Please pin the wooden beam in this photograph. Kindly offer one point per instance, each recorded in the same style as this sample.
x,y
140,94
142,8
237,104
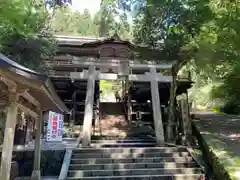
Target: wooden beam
x,y
112,76
23,81
147,78
75,40
9,132
80,62
12,86
3,87
108,62
30,98
28,111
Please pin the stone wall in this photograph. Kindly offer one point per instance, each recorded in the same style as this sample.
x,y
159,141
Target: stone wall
x,y
209,156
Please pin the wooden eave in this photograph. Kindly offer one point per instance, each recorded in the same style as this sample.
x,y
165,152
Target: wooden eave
x,y
39,86
80,47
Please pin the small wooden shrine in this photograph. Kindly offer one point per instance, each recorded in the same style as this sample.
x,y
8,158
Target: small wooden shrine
x,y
24,95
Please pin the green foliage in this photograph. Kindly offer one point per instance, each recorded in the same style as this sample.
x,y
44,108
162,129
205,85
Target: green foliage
x,y
203,36
229,91
112,20
169,26
109,86
25,36
217,54
73,23
105,23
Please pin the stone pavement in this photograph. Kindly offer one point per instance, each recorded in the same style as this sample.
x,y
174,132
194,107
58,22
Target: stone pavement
x,y
65,143
222,134
42,178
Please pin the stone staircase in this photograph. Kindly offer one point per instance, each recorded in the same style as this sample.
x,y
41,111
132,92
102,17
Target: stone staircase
x,y
112,120
132,159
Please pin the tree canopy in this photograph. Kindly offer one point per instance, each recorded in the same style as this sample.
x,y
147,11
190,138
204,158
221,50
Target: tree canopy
x,y
23,27
202,35
104,23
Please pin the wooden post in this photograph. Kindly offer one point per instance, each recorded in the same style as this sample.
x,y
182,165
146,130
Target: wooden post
x,y
129,100
157,115
88,113
36,174
171,108
97,115
9,132
129,105
181,124
123,90
73,115
187,128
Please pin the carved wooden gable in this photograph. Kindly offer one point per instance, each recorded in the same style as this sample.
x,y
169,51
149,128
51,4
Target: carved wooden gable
x,y
120,51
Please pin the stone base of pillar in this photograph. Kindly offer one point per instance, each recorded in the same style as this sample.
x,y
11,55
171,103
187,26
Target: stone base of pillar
x,y
36,175
169,133
160,144
181,140
86,146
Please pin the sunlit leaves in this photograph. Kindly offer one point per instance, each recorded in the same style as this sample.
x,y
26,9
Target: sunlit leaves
x,y
23,27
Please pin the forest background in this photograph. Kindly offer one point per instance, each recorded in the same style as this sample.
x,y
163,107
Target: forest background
x,y
202,35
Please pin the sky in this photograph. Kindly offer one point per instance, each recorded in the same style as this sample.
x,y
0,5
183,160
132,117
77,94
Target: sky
x,y
92,5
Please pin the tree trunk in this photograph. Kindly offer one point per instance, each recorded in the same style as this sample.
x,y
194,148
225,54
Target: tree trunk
x,y
171,117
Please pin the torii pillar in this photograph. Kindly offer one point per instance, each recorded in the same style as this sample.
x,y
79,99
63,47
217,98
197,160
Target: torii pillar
x,y
88,113
157,115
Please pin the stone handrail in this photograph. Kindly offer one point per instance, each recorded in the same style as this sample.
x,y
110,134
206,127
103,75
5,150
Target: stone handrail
x,y
65,165
210,157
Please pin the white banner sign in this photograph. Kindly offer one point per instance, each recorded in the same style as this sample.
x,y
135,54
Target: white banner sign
x,y
55,127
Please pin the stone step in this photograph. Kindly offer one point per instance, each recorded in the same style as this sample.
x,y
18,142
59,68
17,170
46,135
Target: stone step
x,y
132,160
143,177
132,166
129,172
128,155
130,150
123,141
126,144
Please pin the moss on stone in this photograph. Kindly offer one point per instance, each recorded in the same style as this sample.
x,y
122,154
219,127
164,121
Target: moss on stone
x,y
217,155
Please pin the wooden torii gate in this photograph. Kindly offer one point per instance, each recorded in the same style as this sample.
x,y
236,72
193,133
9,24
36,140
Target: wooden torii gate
x,y
29,92
123,74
